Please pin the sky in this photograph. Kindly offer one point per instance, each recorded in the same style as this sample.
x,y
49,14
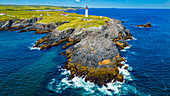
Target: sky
x,y
158,4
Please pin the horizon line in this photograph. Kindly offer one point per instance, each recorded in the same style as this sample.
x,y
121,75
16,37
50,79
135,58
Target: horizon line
x,y
91,7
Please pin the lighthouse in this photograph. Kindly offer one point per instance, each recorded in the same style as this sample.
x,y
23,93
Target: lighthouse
x,y
86,12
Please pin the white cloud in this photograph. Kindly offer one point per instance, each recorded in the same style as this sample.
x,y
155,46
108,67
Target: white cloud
x,y
77,0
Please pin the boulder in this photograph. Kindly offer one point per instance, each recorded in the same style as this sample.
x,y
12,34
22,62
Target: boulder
x,y
121,44
120,77
126,67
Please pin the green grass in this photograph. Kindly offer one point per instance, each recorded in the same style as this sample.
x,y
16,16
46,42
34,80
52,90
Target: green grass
x,y
20,14
75,20
31,7
79,24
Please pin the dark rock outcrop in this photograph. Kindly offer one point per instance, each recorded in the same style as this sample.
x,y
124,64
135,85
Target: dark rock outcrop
x,y
17,24
126,67
147,25
61,23
121,43
40,28
43,28
7,24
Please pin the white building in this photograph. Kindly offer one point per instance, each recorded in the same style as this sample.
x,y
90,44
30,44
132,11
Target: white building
x,y
2,14
64,14
86,11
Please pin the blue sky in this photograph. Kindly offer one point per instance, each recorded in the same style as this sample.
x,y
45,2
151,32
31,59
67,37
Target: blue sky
x,y
95,3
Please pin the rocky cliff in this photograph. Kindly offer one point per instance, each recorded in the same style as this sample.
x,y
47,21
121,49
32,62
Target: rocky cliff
x,y
25,25
94,54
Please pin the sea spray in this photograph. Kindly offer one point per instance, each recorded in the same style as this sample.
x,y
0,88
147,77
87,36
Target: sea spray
x,y
60,85
133,38
125,49
31,47
125,72
128,47
34,48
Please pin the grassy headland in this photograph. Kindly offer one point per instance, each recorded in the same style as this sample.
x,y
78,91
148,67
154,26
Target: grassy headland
x,y
74,20
33,7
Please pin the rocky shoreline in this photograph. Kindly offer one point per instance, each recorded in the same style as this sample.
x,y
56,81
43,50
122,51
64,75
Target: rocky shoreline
x,y
25,25
95,51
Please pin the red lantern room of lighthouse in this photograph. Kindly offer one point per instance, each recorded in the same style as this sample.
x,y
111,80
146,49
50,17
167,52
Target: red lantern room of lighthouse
x,y
86,11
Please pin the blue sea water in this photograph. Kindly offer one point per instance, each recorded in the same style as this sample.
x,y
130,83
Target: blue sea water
x,y
28,72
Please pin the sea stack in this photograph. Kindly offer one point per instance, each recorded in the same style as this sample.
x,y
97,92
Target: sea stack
x,y
86,11
147,25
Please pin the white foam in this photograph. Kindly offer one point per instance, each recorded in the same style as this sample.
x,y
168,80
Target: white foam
x,y
130,69
80,82
104,90
123,62
128,47
114,87
65,72
34,48
128,40
141,27
90,88
123,50
76,82
134,38
125,73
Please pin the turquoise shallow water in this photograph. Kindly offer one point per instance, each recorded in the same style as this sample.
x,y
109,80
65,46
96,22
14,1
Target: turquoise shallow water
x,y
39,72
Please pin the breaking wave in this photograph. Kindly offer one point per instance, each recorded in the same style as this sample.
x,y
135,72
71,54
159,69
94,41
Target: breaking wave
x,y
134,38
62,84
33,48
125,49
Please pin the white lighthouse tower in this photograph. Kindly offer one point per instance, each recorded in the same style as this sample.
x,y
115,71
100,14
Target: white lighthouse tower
x,y
86,12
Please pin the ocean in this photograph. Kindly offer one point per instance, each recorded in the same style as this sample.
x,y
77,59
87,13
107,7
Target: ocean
x,y
25,71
